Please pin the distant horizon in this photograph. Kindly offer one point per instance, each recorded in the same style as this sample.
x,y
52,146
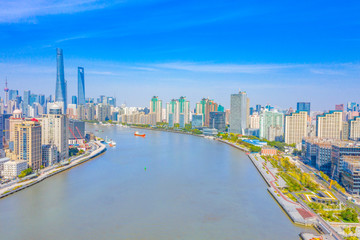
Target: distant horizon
x,y
280,53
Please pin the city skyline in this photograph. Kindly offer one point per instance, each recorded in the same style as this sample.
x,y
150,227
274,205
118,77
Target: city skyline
x,y
302,52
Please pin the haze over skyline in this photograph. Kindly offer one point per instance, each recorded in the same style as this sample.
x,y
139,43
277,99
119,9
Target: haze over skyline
x,y
280,53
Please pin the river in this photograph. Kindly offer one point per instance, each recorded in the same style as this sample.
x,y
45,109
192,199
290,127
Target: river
x,y
164,186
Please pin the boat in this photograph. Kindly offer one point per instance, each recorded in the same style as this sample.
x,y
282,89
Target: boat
x,y
138,134
110,142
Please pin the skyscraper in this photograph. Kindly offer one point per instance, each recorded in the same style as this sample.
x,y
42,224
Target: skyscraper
x,y
54,131
28,143
60,93
303,106
81,86
239,105
295,127
13,94
155,110
74,100
26,101
271,125
205,107
330,125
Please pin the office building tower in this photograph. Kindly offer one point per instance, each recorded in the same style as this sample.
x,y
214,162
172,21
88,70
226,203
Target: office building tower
x,y
33,99
27,146
239,112
197,121
217,121
111,101
74,100
41,99
155,110
61,91
295,127
303,106
352,106
271,125
55,131
329,125
81,86
258,108
171,120
13,94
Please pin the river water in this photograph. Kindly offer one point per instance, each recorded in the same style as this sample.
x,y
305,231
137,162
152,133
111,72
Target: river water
x,y
192,188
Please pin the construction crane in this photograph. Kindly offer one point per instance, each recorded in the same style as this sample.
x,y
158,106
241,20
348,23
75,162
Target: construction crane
x,y
332,177
77,140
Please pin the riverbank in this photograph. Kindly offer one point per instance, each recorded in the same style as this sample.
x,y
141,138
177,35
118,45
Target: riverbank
x,y
100,149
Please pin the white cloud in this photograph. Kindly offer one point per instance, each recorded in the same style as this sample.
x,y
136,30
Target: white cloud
x,y
24,10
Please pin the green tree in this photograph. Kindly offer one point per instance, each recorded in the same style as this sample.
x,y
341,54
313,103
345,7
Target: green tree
x,y
25,172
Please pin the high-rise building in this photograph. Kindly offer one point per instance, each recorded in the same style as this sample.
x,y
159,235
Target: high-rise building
x,y
205,107
295,127
61,91
103,112
272,125
352,106
81,86
13,94
180,108
27,145
329,125
255,121
15,119
303,106
155,110
197,121
354,129
239,112
74,100
55,131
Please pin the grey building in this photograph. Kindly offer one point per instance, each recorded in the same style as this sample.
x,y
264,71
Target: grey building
x,y
239,112
217,121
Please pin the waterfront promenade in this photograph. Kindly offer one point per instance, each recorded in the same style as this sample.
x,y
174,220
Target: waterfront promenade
x,y
96,149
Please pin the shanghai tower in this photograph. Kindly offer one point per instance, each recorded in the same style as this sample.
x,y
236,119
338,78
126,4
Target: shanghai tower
x,y
60,93
81,86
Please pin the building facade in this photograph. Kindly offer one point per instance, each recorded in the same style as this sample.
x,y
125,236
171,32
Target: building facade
x,y
27,145
239,112
295,127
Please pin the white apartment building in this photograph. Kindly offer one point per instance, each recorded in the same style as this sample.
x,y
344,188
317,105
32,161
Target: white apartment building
x,y
12,169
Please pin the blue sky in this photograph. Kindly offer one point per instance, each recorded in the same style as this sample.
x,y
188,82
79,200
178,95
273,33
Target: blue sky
x,y
280,52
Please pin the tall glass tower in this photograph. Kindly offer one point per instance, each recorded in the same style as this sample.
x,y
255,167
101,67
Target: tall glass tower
x,y
60,93
81,86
